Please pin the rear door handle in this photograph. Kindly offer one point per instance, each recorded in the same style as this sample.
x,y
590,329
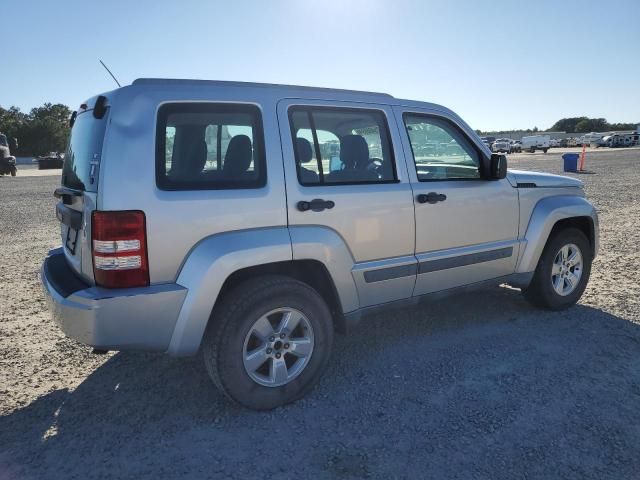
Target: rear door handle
x,y
315,205
431,197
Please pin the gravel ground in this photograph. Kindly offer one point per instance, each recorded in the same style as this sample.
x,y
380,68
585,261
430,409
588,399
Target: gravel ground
x,y
481,387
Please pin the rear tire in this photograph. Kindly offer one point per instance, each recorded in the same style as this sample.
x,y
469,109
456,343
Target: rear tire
x,y
238,327
14,171
542,291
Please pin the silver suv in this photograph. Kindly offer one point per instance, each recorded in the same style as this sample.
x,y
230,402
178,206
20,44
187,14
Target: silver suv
x,y
249,221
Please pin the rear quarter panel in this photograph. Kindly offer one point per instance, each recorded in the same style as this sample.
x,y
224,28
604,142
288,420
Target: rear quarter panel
x,y
178,220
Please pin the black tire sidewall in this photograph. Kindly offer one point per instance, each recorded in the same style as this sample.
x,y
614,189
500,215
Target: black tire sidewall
x,y
235,381
544,286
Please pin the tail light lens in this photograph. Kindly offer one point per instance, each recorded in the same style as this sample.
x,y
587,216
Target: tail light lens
x,y
119,247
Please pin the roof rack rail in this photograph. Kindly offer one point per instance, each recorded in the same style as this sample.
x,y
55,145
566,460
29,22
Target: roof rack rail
x,y
178,81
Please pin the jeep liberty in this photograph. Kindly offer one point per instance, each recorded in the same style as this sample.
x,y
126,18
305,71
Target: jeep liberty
x,y
248,222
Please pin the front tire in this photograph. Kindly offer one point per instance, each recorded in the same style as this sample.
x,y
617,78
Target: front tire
x,y
562,272
268,342
14,170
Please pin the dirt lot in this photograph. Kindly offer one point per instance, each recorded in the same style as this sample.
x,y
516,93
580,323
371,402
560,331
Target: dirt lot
x,y
481,387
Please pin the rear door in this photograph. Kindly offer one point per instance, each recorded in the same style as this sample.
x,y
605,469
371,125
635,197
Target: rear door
x,y
79,189
345,172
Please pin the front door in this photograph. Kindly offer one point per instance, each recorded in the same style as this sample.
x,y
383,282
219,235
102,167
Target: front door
x,y
466,226
347,180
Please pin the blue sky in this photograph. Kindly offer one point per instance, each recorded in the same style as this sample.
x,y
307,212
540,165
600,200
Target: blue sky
x,y
499,64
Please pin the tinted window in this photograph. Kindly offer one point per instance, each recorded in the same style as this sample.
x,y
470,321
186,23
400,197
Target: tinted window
x,y
440,150
209,146
341,146
80,167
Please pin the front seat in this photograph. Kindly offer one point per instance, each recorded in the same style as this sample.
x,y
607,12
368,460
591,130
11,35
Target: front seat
x,y
354,154
305,155
238,158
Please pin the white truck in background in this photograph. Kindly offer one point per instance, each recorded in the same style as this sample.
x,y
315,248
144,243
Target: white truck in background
x,y
536,142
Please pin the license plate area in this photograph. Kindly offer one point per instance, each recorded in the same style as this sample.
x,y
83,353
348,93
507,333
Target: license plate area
x,y
72,219
71,240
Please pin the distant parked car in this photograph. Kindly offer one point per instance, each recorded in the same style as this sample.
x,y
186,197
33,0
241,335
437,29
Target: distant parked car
x,y
593,139
7,161
516,146
536,142
50,161
618,140
502,145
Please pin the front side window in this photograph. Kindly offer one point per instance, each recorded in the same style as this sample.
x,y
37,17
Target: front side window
x,y
209,146
440,150
341,146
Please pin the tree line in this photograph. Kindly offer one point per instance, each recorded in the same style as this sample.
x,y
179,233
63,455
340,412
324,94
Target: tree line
x,y
575,125
44,129
586,125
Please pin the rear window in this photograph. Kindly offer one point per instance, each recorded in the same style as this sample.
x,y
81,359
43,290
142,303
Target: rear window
x,y
209,146
80,168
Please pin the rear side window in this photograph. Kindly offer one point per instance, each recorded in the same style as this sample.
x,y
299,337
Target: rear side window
x,y
341,146
80,167
208,146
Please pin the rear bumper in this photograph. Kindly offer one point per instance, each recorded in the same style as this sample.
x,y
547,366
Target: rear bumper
x,y
111,319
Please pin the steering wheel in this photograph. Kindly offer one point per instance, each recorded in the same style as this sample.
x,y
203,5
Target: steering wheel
x,y
375,165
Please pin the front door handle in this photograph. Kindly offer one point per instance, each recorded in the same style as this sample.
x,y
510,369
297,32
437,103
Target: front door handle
x,y
315,205
431,197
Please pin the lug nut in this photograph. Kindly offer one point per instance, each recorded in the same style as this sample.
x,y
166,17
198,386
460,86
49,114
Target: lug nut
x,y
278,355
272,338
282,335
269,351
286,346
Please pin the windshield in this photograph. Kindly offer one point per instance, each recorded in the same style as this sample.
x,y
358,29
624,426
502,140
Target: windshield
x,y
83,154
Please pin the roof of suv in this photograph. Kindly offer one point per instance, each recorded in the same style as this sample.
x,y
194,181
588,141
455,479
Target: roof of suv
x,y
293,90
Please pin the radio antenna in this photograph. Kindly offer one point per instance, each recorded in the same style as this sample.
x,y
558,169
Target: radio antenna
x,y
112,76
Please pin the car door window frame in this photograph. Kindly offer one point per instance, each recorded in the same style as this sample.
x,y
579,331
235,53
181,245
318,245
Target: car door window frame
x,y
308,109
163,182
464,136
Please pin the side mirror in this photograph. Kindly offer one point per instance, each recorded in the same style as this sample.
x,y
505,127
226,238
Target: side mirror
x,y
497,167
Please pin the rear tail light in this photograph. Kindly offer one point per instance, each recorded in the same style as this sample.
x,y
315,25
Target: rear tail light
x,y
119,248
